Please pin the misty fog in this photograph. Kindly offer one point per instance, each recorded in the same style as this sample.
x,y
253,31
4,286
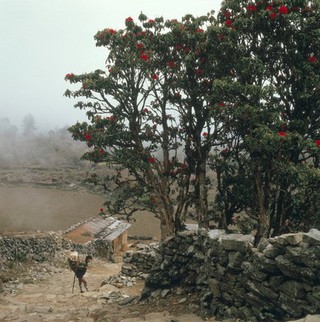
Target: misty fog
x,y
32,168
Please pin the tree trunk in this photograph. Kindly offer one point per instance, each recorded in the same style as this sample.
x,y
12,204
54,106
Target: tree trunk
x,y
261,206
166,227
202,204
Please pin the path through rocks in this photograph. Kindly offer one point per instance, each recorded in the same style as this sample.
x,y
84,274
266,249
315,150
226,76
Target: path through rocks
x,y
45,294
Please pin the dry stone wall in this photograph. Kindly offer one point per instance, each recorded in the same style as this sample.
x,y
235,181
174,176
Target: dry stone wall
x,y
29,246
42,246
276,281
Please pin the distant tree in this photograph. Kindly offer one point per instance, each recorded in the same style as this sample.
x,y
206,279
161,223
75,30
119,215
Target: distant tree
x,y
29,126
7,130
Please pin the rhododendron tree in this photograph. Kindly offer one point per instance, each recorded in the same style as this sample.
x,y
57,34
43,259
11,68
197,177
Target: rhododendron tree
x,y
149,102
238,92
273,94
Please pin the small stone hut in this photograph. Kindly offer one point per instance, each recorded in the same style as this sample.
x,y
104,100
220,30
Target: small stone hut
x,y
105,229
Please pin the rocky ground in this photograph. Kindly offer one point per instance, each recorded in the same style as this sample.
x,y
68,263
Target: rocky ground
x,y
44,293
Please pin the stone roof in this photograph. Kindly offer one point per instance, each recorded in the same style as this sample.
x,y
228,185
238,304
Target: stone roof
x,y
100,227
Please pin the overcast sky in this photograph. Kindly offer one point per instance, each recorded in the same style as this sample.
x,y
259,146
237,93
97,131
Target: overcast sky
x,y
43,40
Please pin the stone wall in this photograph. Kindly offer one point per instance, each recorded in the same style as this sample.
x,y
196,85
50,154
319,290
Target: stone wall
x,y
277,280
29,246
42,246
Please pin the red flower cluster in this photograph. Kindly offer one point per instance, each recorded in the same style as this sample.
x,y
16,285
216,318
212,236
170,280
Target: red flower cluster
x,y
155,76
88,137
312,59
228,23
283,10
273,15
282,133
227,14
171,64
205,134
252,8
129,19
199,30
198,71
69,75
140,34
152,160
139,46
317,142
144,57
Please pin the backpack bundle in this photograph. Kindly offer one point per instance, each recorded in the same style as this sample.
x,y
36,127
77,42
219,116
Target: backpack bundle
x,y
73,260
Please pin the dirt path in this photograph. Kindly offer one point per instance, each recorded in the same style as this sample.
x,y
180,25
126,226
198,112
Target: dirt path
x,y
47,296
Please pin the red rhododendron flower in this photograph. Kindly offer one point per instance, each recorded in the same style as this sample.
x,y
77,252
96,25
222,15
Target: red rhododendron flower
x,y
129,19
146,110
139,46
171,64
101,209
199,30
227,13
144,57
204,134
283,9
155,76
178,47
273,15
69,75
101,151
88,137
152,160
252,8
111,31
151,21
198,71
269,8
228,23
312,59
282,133
222,104
317,142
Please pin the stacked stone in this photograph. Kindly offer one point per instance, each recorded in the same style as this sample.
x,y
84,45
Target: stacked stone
x,y
43,246
35,247
178,262
223,270
137,263
282,276
276,281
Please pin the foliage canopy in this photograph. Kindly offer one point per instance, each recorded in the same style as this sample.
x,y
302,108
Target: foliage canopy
x,y
236,94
